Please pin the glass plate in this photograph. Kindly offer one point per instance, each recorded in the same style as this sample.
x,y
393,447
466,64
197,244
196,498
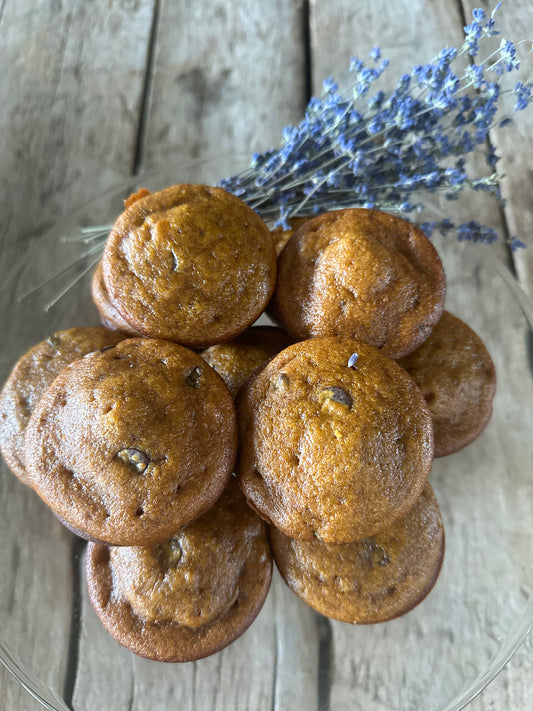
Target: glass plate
x,y
436,658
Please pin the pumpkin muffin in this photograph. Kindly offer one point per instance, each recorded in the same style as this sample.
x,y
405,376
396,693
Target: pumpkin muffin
x,y
236,360
281,236
109,316
363,274
188,597
192,264
335,441
131,444
456,375
30,378
368,581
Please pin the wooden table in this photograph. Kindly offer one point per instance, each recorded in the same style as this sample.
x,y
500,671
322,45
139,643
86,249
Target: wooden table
x,y
95,91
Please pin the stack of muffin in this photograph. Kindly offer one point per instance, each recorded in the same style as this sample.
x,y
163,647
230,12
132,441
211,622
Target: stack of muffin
x,y
131,437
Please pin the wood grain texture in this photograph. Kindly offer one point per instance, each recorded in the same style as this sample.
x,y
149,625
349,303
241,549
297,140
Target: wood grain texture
x,y
226,78
86,98
70,104
411,32
515,143
232,81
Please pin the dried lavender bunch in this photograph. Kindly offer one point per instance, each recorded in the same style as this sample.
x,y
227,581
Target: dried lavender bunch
x,y
355,148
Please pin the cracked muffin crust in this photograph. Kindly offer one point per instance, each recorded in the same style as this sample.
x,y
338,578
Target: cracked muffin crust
x,y
190,596
30,378
456,375
335,440
191,263
129,445
368,581
363,274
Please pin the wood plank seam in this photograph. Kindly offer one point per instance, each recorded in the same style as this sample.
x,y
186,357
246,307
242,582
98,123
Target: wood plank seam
x,y
146,91
308,55
71,671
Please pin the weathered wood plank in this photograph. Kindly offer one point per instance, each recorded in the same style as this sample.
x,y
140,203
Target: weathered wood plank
x,y
515,143
226,78
369,663
207,57
70,103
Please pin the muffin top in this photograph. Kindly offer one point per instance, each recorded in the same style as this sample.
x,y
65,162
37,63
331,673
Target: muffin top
x,y
335,440
192,264
129,445
372,580
236,360
456,375
190,596
364,274
109,316
32,375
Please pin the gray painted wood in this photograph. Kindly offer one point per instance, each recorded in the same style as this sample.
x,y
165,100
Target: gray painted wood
x,y
223,77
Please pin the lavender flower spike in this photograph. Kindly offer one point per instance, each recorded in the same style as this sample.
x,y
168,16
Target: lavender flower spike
x,y
358,146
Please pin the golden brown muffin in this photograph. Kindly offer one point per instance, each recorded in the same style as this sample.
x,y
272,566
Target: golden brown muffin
x,y
109,316
236,360
368,581
364,274
129,445
140,193
191,596
191,264
456,375
335,441
30,378
281,236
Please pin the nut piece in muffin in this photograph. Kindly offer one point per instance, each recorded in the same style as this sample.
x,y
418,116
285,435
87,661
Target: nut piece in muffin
x,y
109,316
129,445
191,264
190,596
236,360
32,375
456,375
368,581
363,274
336,441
